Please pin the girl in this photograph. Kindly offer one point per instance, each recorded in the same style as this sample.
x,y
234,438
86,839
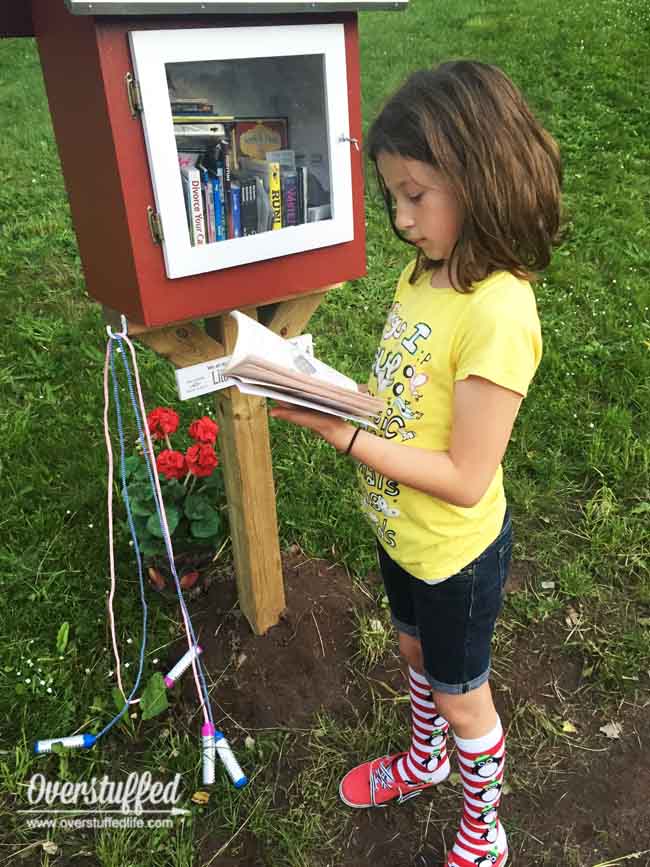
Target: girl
x,y
472,181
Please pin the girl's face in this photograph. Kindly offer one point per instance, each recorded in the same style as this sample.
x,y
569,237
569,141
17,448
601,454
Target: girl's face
x,y
426,211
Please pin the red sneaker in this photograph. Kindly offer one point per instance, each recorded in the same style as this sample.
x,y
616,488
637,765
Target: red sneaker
x,y
373,784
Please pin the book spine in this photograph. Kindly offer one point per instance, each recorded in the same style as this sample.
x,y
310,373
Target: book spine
x,y
290,199
195,207
275,194
227,179
208,205
235,210
249,207
304,173
218,209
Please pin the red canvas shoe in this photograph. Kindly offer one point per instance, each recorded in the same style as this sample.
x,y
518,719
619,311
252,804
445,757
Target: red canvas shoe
x,y
373,784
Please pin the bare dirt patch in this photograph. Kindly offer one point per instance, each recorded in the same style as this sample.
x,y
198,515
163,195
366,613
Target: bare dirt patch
x,y
576,799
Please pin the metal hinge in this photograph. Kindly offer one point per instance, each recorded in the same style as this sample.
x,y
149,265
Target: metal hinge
x,y
133,94
155,226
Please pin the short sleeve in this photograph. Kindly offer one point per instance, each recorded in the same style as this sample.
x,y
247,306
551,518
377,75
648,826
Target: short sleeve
x,y
500,338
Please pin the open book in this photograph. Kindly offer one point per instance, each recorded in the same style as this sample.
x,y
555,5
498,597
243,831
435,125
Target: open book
x,y
265,365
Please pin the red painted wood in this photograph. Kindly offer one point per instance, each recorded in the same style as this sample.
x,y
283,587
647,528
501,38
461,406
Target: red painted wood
x,y
107,174
76,93
16,18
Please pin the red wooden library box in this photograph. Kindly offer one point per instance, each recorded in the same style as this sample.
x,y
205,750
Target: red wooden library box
x,y
211,150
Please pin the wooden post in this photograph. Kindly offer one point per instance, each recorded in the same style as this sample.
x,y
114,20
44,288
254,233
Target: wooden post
x,y
248,473
245,448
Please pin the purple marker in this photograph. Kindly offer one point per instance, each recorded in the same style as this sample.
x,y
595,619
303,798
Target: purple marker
x,y
183,663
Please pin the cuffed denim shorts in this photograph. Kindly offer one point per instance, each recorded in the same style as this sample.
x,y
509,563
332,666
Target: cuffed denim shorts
x,y
453,619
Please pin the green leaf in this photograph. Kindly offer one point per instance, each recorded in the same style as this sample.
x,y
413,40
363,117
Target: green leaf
x,y
173,517
62,637
131,465
118,698
143,509
207,527
154,698
142,473
151,547
173,490
140,491
197,507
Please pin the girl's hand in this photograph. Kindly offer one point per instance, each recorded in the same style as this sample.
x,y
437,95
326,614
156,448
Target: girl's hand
x,y
335,430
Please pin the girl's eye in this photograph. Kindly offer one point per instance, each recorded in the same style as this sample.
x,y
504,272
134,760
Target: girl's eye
x,y
415,197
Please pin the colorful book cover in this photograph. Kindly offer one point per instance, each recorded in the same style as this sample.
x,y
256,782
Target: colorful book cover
x,y
220,227
290,205
193,117
275,194
208,205
194,204
235,210
253,137
248,206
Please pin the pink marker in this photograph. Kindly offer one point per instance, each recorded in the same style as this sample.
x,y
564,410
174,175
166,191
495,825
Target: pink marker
x,y
183,663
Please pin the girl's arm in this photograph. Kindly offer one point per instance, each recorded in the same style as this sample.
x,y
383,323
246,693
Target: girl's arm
x,y
483,417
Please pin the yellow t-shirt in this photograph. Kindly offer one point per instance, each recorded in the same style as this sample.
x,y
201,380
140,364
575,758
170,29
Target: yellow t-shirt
x,y
432,339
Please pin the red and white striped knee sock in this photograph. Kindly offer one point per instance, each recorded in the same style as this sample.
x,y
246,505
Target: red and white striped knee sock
x,y
426,760
481,840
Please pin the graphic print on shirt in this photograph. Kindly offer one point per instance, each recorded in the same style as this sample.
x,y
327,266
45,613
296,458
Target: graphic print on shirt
x,y
375,505
399,371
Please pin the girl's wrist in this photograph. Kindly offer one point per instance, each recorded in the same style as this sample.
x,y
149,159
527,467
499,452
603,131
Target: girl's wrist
x,y
340,436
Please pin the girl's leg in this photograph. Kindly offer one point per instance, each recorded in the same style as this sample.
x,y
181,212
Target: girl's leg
x,y
480,742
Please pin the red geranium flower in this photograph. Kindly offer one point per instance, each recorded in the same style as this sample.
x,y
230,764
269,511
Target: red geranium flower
x,y
171,464
204,430
162,422
201,460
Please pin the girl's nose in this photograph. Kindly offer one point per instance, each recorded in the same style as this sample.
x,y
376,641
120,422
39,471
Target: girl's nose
x,y
403,218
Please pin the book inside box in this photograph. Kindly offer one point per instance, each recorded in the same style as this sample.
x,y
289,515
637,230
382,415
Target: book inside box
x,y
252,144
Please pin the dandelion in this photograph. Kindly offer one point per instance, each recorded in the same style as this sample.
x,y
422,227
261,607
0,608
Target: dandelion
x,y
49,689
87,671
42,682
129,641
90,526
28,680
156,660
127,664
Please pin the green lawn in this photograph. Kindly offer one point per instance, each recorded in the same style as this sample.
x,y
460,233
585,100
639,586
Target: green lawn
x,y
577,469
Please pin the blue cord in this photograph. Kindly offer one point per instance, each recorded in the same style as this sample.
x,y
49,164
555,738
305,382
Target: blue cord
x,y
134,536
159,508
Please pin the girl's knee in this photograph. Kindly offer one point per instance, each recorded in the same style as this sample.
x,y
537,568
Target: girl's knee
x,y
411,650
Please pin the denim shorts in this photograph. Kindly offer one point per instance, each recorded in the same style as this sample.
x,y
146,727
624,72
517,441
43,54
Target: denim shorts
x,y
453,619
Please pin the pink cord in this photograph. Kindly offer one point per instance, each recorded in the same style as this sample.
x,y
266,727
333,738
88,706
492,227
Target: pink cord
x,y
163,516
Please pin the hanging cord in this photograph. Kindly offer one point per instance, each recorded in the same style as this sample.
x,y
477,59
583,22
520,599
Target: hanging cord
x,y
148,452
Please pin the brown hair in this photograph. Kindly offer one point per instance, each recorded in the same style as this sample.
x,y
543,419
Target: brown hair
x,y
468,120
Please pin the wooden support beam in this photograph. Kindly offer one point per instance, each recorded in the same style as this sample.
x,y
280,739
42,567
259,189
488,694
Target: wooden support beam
x,y
248,474
290,317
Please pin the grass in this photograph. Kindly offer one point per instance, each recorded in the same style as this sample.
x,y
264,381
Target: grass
x,y
577,467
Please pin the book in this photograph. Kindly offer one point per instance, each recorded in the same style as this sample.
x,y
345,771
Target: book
x,y
269,174
248,187
192,104
235,210
290,204
219,220
266,365
208,205
197,137
202,118
253,137
194,204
